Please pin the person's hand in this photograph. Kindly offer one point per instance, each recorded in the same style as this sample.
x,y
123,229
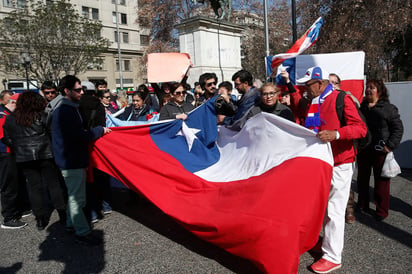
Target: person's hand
x,y
327,135
220,119
181,116
386,149
285,75
106,130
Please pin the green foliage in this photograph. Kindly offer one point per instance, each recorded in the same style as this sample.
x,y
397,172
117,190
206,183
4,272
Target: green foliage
x,y
58,39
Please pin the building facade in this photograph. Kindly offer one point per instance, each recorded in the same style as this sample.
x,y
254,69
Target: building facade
x,y
133,41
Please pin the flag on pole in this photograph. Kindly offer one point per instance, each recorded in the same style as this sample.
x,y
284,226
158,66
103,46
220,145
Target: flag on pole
x,y
260,193
303,43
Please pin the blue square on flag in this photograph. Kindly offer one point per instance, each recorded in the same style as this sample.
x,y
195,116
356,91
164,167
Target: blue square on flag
x,y
289,65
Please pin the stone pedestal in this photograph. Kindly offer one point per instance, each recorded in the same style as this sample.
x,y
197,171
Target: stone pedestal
x,y
213,46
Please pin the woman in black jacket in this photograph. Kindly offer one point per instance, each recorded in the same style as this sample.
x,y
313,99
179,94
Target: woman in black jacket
x,y
177,108
26,134
386,128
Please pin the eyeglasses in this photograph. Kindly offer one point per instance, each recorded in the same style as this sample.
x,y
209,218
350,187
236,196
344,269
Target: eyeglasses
x,y
269,94
198,93
77,90
49,92
180,93
106,97
211,84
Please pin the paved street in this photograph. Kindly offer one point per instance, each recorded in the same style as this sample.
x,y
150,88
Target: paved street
x,y
141,239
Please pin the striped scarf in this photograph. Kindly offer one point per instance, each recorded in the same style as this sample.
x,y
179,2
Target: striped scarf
x,y
312,120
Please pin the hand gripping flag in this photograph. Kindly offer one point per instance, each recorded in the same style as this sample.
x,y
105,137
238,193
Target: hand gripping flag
x,y
260,193
303,43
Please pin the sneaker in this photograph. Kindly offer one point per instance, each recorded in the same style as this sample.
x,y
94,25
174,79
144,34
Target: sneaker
x,y
107,211
95,220
13,224
88,240
324,266
26,213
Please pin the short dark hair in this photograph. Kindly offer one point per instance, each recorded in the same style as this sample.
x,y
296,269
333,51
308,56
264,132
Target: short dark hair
x,y
4,92
48,85
100,93
138,93
100,82
226,84
206,76
68,82
244,76
174,86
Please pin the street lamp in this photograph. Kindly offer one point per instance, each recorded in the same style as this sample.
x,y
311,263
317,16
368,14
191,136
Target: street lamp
x,y
26,61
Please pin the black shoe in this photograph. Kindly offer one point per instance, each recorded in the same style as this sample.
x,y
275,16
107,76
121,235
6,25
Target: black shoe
x,y
13,224
41,223
88,240
379,218
62,216
26,213
69,229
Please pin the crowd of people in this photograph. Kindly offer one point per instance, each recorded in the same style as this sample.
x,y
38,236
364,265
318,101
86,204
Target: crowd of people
x,y
45,136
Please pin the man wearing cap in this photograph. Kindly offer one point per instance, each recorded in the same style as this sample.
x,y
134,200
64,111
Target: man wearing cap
x,y
70,148
322,118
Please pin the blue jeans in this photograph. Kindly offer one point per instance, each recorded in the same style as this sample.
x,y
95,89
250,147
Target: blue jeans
x,y
75,180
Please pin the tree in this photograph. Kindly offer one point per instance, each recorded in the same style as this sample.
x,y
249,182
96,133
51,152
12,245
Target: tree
x,y
55,36
375,27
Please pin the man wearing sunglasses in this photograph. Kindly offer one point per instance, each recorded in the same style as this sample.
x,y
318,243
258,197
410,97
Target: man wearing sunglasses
x,y
208,83
70,141
49,90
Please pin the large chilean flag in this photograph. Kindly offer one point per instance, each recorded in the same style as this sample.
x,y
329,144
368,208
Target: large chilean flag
x,y
260,193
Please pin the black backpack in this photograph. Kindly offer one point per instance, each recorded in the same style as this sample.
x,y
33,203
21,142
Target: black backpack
x,y
360,143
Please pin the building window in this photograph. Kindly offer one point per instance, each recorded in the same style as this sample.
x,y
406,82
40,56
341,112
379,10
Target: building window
x,y
126,65
8,3
144,40
123,18
21,3
125,36
95,64
90,65
126,81
95,14
116,37
120,2
114,17
85,12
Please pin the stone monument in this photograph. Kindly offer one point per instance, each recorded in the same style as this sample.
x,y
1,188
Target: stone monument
x,y
213,46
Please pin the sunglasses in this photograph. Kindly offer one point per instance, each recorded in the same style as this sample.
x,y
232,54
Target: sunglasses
x,y
49,92
211,84
107,97
198,93
77,90
180,92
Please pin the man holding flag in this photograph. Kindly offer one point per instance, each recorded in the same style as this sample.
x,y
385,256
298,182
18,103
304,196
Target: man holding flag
x,y
322,118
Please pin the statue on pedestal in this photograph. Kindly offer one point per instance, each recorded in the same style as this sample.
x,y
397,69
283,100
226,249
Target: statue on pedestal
x,y
222,8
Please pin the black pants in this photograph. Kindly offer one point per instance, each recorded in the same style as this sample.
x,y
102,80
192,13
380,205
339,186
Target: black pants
x,y
44,186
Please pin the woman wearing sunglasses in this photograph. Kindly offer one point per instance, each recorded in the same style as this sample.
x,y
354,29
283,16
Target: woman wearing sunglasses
x,y
138,110
177,108
385,126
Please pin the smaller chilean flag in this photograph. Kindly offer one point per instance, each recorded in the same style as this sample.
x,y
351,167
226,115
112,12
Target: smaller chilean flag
x,y
303,43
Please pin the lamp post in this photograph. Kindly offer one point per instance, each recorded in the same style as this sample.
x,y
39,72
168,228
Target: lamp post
x,y
26,60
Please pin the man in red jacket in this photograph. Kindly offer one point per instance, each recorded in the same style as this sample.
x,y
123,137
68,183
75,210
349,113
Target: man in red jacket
x,y
323,119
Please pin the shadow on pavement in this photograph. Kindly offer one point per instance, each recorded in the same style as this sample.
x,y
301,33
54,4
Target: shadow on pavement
x,y
141,210
60,246
11,269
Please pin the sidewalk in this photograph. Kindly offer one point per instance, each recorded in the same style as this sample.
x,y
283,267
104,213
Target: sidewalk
x,y
139,238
